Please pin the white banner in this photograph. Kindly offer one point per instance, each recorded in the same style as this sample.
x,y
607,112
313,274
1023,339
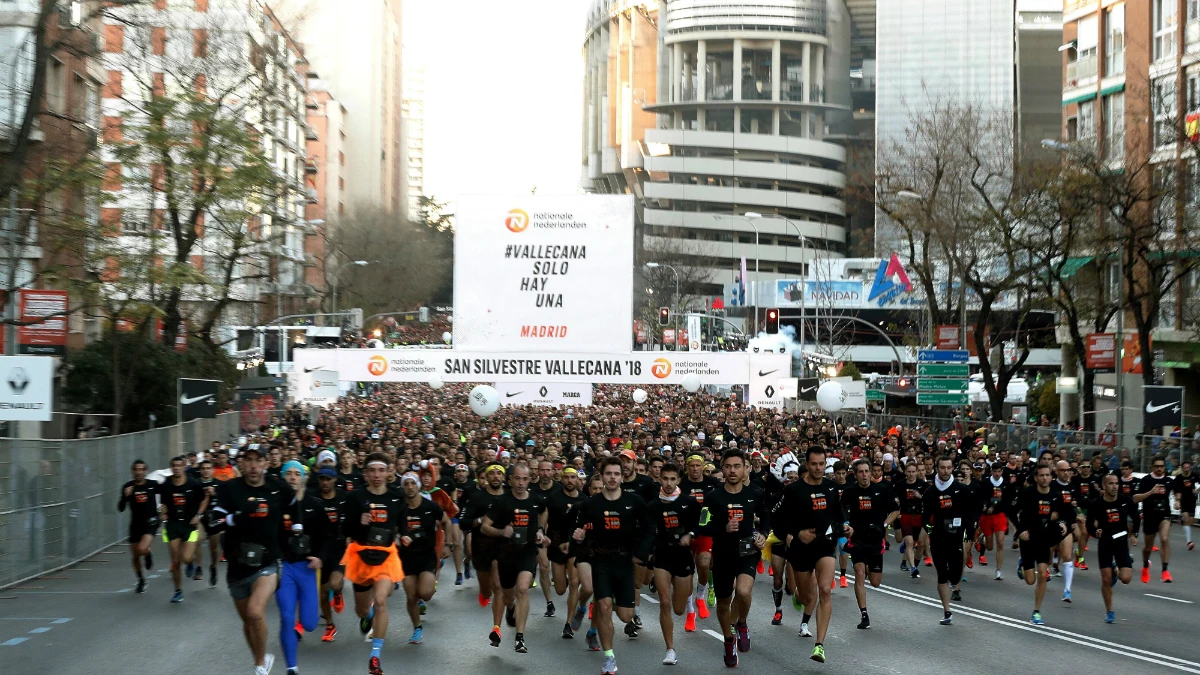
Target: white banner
x,y
322,387
694,334
418,365
765,374
789,387
536,274
856,392
553,394
27,391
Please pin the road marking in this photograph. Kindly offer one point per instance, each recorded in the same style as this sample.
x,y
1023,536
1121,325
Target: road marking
x,y
649,599
13,642
43,629
60,621
1056,633
33,618
1163,597
714,634
123,590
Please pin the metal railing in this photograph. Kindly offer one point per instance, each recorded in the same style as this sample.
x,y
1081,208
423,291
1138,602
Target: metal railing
x,y
58,498
1082,71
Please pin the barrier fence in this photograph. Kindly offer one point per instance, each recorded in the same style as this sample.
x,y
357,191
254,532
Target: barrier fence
x,y
58,498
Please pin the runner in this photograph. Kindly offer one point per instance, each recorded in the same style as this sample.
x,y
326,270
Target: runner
x,y
463,487
309,534
1152,492
1113,520
729,517
1184,486
252,511
948,508
1068,489
561,509
518,518
424,519
333,502
840,470
619,533
544,488
1040,527
781,577
993,524
209,484
911,536
676,517
871,508
374,521
138,494
181,501
696,484
634,480
483,547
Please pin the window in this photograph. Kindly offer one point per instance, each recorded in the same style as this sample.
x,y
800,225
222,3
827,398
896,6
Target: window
x,y
1086,50
1086,125
1164,29
1114,125
56,85
1163,103
1114,41
79,98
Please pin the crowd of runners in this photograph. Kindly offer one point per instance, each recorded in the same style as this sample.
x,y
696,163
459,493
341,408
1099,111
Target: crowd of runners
x,y
688,496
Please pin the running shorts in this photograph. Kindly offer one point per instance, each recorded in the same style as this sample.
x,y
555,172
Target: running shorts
x,y
1151,523
240,589
701,544
770,550
333,562
910,524
483,551
363,574
612,577
677,560
1112,552
992,523
139,529
416,562
512,565
182,531
726,570
947,554
1036,551
869,553
804,557
555,554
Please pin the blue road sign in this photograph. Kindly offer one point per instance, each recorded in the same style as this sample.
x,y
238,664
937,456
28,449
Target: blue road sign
x,y
942,356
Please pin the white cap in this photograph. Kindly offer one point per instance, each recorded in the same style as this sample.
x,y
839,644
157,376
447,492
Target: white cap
x,y
326,456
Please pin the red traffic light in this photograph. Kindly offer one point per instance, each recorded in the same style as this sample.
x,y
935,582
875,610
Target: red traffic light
x,y
664,316
772,321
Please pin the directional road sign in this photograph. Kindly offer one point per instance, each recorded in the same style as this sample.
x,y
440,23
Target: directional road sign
x,y
941,399
941,384
942,370
876,395
943,355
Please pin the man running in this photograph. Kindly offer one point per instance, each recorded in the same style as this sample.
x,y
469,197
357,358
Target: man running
x,y
374,521
998,493
181,501
676,517
483,547
1113,520
544,488
619,533
948,508
423,519
911,536
252,511
561,510
1152,492
1040,527
775,546
209,484
729,518
138,494
871,508
518,519
308,536
1184,486
696,485
333,503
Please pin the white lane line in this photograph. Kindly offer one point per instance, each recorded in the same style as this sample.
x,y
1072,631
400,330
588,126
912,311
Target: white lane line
x,y
1163,597
1058,634
43,629
649,599
13,642
714,634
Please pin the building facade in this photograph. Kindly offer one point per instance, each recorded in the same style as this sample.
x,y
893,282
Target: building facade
x,y
325,174
413,128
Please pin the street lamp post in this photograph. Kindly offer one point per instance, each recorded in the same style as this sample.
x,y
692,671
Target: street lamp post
x,y
654,265
337,275
750,222
803,311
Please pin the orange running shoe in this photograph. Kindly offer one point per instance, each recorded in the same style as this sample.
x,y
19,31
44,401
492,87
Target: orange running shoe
x,y
833,584
1145,575
843,582
1166,577
330,633
970,562
983,560
339,603
484,600
689,624
760,565
928,561
590,606
1155,549
771,571
702,607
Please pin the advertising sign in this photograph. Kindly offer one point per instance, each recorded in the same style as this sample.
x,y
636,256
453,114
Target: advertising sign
x,y
1131,357
536,393
47,335
639,329
798,292
856,392
949,337
322,387
693,334
668,337
537,274
198,399
808,388
1164,408
418,365
1101,352
27,391
765,391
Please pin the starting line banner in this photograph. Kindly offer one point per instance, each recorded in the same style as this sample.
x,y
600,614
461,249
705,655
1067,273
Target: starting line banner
x,y
418,365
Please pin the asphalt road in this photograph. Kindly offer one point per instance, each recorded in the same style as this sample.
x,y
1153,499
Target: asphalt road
x,y
88,620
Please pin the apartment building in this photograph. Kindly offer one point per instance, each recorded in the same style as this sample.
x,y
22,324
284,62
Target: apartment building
x,y
324,174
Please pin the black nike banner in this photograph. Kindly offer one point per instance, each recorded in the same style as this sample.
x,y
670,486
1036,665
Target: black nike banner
x,y
198,399
806,389
1163,408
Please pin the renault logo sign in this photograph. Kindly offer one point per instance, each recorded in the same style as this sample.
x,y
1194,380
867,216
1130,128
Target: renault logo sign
x,y
18,380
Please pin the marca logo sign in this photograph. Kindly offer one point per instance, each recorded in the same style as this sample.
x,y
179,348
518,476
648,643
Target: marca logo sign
x,y
890,281
553,395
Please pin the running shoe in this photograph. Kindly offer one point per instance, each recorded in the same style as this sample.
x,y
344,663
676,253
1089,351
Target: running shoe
x,y
1047,575
702,608
299,630
670,659
983,560
903,547
777,620
268,662
761,565
191,569
743,637
212,576
712,599
418,633
818,654
577,620
956,595
842,583
483,600
549,610
141,586
1081,565
654,589
610,666
971,562
177,598
770,570
421,606
947,619
1067,596
1191,545
1057,571
731,657
149,561
567,633
330,633
1145,575
637,619
903,565
198,573
1036,619
373,667
519,646
1155,549
593,641
928,561
467,571
458,580
364,624
1020,565
1166,577
916,573
631,631
293,671
338,603
510,616
1110,617
797,605
999,576
804,632
865,623
1114,581
689,623
494,637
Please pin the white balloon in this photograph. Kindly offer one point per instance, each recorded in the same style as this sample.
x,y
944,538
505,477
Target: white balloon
x,y
831,397
639,395
435,382
691,383
484,400
446,337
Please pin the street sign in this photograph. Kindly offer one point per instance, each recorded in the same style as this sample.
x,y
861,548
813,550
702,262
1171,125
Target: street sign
x,y
941,399
943,355
941,384
942,370
876,395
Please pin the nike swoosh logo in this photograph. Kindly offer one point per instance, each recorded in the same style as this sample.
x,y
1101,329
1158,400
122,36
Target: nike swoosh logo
x,y
762,374
184,400
807,389
1155,408
309,370
509,394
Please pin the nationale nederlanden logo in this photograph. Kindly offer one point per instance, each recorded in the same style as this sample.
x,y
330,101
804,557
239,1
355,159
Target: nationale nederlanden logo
x,y
661,368
517,220
377,366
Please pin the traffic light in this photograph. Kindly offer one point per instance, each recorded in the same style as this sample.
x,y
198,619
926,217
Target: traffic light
x,y
772,321
664,316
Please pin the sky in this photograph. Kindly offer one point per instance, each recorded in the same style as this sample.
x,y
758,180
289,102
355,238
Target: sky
x,y
503,91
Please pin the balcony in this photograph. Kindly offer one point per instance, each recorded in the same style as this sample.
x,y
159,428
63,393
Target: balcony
x,y
310,165
792,90
1191,36
756,90
1081,71
862,84
719,91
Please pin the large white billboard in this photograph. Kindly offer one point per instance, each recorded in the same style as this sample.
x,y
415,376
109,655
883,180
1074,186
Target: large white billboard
x,y
419,365
536,393
543,274
27,388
